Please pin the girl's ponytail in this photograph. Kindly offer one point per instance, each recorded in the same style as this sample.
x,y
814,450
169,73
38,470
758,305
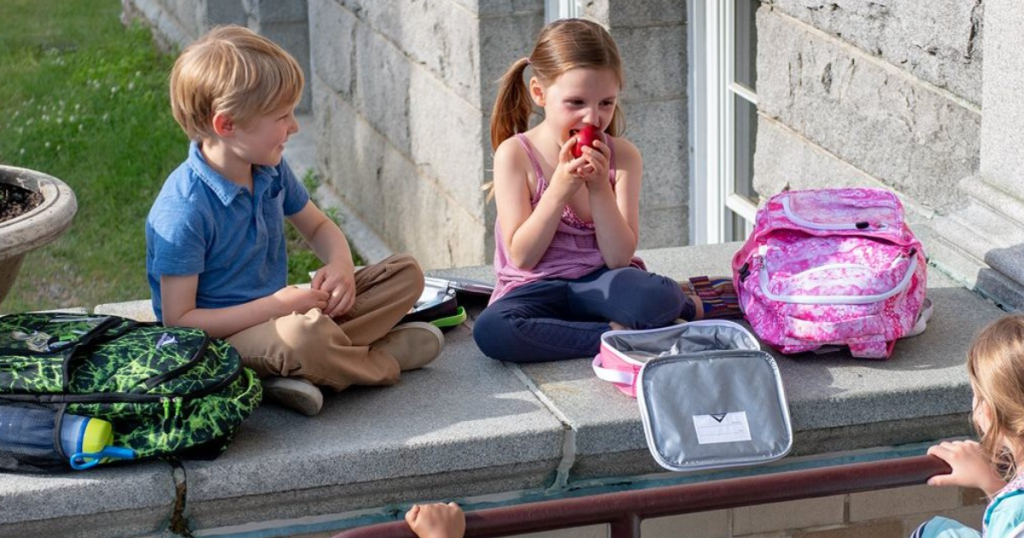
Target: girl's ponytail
x,y
512,108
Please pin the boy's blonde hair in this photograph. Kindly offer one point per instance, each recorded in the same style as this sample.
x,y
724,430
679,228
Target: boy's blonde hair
x,y
995,364
235,71
561,46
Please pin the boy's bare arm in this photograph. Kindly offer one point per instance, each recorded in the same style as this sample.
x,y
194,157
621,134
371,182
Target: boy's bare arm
x,y
178,296
337,276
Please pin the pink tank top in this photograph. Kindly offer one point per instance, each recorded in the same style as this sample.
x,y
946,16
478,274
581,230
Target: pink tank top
x,y
573,252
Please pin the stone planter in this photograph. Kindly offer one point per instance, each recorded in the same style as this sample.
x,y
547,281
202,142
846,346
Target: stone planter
x,y
36,228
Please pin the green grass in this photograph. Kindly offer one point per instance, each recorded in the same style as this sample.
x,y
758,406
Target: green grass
x,y
301,260
84,99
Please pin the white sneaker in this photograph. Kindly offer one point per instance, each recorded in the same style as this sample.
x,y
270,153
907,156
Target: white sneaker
x,y
294,393
922,319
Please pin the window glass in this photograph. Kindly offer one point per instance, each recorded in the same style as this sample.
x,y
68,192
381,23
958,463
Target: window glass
x,y
745,117
739,227
745,49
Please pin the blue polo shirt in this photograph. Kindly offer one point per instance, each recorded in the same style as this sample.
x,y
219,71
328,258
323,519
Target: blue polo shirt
x,y
203,224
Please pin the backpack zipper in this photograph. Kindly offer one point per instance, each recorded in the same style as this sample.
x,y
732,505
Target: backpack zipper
x,y
800,221
698,323
120,397
839,299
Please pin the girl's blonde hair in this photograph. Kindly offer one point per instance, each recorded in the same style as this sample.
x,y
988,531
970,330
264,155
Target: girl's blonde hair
x,y
995,364
561,46
235,71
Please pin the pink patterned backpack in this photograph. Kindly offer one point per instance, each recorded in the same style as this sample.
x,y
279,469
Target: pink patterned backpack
x,y
832,267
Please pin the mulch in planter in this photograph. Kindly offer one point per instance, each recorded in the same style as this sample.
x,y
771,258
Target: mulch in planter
x,y
15,200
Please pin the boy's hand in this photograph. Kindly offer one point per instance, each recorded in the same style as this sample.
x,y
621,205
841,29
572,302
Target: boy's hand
x,y
338,280
300,300
437,520
971,467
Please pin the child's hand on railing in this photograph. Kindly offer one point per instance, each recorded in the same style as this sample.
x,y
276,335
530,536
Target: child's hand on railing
x,y
970,467
436,520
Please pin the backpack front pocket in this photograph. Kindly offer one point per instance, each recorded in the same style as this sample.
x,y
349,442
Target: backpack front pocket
x,y
853,210
818,270
34,349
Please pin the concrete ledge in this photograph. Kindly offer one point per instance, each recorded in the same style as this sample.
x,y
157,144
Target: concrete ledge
x,y
131,500
468,426
461,419
880,400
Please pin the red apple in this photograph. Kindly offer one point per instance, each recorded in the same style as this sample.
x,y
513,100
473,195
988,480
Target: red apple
x,y
585,137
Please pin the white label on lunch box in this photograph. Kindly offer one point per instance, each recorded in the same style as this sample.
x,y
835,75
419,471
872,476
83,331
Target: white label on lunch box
x,y
722,428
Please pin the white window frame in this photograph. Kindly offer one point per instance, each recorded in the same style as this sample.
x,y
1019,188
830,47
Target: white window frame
x,y
712,123
561,9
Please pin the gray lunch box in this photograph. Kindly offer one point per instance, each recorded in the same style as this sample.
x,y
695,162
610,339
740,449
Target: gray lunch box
x,y
709,397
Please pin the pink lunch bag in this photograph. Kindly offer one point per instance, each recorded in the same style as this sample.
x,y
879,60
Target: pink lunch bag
x,y
832,267
623,354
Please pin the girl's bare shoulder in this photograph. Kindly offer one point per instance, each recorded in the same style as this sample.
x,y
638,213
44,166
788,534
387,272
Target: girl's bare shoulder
x,y
511,163
510,152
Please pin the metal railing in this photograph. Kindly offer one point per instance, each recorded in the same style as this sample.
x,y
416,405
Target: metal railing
x,y
624,511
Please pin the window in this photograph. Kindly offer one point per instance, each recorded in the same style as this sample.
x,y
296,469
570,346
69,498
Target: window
x,y
560,9
723,113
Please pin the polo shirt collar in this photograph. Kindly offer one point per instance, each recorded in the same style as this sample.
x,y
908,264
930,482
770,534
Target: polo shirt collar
x,y
225,189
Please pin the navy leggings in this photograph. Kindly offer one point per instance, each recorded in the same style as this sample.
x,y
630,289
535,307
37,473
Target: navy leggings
x,y
551,320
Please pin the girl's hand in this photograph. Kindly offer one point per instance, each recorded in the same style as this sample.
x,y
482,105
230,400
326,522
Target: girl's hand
x,y
971,467
339,281
596,171
437,520
567,176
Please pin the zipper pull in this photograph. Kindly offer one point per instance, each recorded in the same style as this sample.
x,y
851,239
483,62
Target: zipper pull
x,y
167,411
744,272
177,411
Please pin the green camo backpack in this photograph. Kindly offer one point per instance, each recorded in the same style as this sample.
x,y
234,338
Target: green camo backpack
x,y
166,391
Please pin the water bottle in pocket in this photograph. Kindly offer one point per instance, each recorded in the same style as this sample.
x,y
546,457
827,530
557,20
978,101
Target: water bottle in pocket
x,y
88,441
39,438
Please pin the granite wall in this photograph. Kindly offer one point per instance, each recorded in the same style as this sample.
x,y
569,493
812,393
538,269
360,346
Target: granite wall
x,y
870,93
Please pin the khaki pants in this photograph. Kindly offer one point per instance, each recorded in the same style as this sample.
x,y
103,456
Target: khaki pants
x,y
338,353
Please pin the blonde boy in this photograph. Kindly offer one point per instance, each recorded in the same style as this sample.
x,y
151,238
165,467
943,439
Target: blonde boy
x,y
215,253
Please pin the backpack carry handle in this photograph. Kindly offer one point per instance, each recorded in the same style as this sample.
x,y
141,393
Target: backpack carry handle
x,y
99,335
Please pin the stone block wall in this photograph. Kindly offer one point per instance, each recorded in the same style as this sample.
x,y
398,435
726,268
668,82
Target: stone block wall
x,y
285,22
854,93
176,23
848,94
402,95
651,36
